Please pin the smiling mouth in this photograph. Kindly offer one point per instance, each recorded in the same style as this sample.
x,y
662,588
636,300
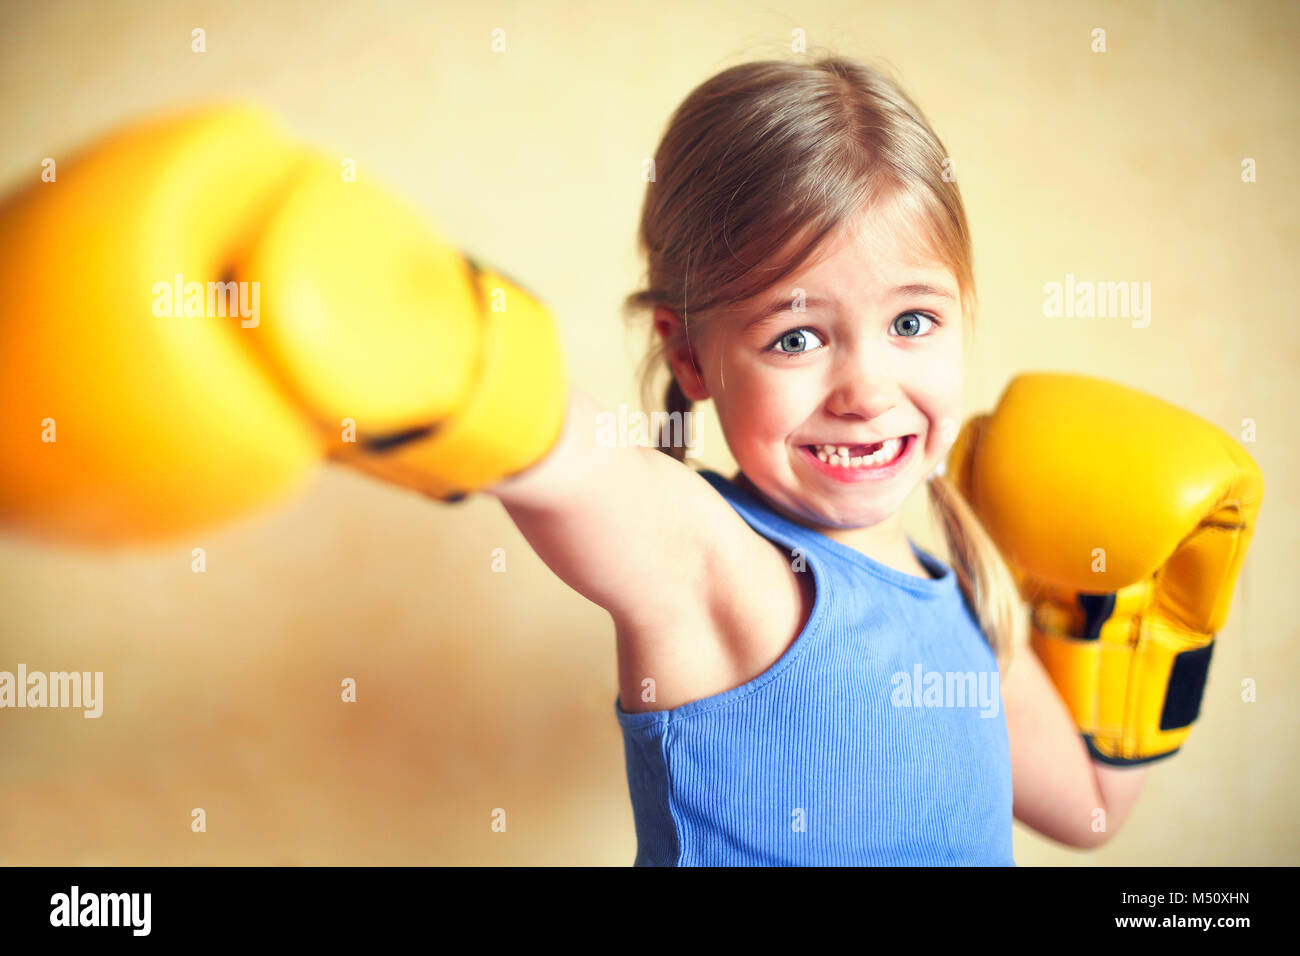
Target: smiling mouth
x,y
862,456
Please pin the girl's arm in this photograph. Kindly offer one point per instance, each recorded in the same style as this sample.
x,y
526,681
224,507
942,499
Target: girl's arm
x,y
1058,787
629,528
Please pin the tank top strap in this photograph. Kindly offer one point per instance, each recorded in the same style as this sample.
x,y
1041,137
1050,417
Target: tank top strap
x,y
791,535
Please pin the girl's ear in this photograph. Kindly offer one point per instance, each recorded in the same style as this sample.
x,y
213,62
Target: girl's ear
x,y
680,358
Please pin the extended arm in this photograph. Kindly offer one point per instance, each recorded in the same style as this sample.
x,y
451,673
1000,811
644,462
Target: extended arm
x,y
629,528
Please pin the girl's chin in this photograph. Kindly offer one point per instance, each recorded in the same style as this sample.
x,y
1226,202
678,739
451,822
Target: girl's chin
x,y
815,508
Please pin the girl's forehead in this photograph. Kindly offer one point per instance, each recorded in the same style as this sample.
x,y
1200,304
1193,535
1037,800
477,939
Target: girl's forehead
x,y
884,254
892,235
888,251
897,231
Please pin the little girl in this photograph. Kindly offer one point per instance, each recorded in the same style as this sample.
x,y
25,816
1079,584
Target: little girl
x,y
810,272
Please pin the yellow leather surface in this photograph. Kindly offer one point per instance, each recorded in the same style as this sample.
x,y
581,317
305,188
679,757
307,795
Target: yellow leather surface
x,y
1090,487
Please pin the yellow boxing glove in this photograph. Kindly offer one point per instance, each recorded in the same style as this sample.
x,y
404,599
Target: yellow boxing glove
x,y
199,309
1125,520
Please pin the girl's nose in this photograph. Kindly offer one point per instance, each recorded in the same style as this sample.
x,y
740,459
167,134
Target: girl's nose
x,y
865,386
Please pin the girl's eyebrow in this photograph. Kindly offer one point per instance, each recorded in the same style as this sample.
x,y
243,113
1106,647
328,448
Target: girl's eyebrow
x,y
921,288
785,304
777,306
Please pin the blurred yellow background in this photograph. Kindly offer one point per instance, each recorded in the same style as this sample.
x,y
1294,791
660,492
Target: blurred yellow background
x,y
480,690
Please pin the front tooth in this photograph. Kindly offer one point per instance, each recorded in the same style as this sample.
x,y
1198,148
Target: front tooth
x,y
889,449
839,454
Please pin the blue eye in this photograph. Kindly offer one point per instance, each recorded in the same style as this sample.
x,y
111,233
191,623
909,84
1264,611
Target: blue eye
x,y
796,339
914,324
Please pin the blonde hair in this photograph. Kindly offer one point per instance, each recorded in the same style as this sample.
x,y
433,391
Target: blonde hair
x,y
770,150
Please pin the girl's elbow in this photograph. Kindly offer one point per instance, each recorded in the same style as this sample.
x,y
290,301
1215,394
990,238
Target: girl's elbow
x,y
1092,839
1079,832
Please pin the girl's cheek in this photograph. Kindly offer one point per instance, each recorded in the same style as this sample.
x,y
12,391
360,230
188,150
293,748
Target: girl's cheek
x,y
784,402
940,373
939,391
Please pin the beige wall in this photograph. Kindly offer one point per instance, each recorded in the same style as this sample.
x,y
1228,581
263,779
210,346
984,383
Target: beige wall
x,y
480,690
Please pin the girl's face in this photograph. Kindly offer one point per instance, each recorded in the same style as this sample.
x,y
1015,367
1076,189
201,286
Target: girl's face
x,y
872,356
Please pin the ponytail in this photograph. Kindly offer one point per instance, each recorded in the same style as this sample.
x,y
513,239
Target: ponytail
x,y
675,400
989,587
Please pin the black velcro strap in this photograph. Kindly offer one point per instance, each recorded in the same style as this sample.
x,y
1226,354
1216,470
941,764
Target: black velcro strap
x,y
1123,761
1186,687
1097,609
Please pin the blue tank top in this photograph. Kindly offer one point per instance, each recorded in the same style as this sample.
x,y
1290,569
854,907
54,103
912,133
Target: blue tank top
x,y
877,738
